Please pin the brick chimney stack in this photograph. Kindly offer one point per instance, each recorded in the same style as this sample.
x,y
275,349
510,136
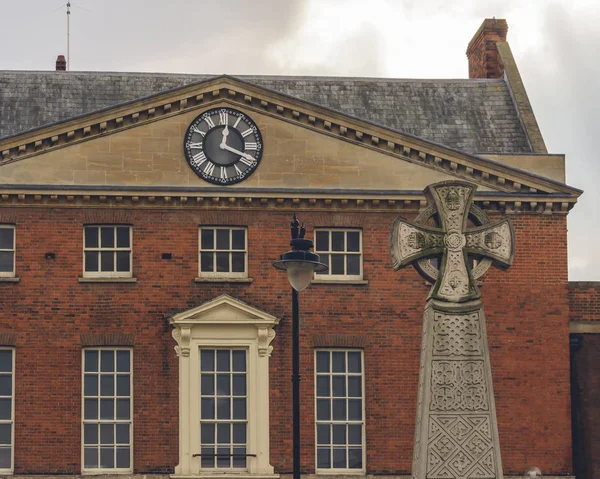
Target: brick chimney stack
x,y
484,60
61,63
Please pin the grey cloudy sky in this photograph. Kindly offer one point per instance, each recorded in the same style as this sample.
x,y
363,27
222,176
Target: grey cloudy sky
x,y
556,44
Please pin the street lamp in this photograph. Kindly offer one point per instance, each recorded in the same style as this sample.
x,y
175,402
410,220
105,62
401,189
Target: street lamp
x,y
300,264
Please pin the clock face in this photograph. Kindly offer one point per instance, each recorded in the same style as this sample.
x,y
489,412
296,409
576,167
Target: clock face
x,y
223,146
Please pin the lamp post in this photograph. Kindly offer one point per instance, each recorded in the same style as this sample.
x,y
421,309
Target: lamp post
x,y
300,263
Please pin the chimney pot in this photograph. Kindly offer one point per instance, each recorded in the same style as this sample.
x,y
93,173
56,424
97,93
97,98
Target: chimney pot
x,y
484,60
61,63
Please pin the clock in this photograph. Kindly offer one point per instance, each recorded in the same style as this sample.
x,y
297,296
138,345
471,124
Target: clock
x,y
223,146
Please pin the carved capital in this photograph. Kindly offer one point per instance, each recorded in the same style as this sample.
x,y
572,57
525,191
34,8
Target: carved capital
x,y
265,336
182,334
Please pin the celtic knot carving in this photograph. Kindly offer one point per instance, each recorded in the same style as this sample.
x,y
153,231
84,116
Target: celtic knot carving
x,y
458,386
456,335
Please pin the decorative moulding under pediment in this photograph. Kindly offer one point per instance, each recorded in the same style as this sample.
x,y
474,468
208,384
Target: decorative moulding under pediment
x,y
237,93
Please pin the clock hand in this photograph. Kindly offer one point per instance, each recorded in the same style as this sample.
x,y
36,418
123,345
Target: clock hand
x,y
233,150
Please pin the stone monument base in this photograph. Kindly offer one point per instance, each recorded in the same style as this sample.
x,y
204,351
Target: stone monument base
x,y
456,430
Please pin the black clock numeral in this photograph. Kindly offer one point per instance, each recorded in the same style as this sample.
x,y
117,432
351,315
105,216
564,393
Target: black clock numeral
x,y
209,122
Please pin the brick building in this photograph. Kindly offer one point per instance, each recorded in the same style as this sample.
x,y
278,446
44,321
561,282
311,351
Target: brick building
x,y
142,322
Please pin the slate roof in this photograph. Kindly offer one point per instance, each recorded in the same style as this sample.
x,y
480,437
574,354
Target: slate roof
x,y
475,116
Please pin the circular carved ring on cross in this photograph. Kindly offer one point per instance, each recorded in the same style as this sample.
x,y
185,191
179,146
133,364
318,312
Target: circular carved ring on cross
x,y
425,266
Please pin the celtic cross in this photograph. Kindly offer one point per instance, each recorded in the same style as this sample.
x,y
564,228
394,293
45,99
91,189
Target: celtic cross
x,y
411,243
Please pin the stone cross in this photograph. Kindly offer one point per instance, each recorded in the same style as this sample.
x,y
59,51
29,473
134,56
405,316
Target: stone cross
x,y
456,432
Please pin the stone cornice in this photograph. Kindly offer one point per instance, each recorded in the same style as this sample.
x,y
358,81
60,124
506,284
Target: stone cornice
x,y
481,171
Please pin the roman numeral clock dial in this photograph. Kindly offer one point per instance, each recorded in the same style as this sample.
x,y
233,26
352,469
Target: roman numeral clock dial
x,y
223,146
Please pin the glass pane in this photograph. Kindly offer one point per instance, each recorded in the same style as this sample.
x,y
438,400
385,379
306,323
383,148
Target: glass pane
x,y
223,360
323,434
5,436
353,264
353,238
107,237
90,433
223,408
107,433
238,239
355,458
123,385
338,362
323,458
223,239
107,361
239,433
222,262
122,433
207,262
322,361
239,384
107,385
338,386
207,459
123,361
123,263
123,237
5,360
223,385
337,241
354,409
238,262
207,433
5,457
239,408
322,385
354,363
7,264
337,264
6,385
354,434
91,261
223,433
123,408
207,384
107,457
223,458
207,360
207,239
323,410
107,261
107,408
339,458
207,408
239,460
91,361
123,458
239,360
324,258
339,433
5,408
90,409
354,386
90,458
90,385
322,241
339,409
91,236
7,236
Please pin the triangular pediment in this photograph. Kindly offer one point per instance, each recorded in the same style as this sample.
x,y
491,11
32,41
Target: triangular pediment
x,y
139,145
224,309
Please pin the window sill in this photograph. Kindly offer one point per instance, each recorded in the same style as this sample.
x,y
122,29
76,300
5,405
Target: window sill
x,y
11,279
207,279
107,472
225,475
341,281
107,280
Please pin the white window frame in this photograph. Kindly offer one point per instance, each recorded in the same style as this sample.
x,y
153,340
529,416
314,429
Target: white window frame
x,y
11,421
101,470
328,276
10,274
363,445
214,250
224,323
115,249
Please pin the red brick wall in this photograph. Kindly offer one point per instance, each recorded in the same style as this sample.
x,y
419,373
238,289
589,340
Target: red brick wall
x,y
484,60
526,308
584,300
